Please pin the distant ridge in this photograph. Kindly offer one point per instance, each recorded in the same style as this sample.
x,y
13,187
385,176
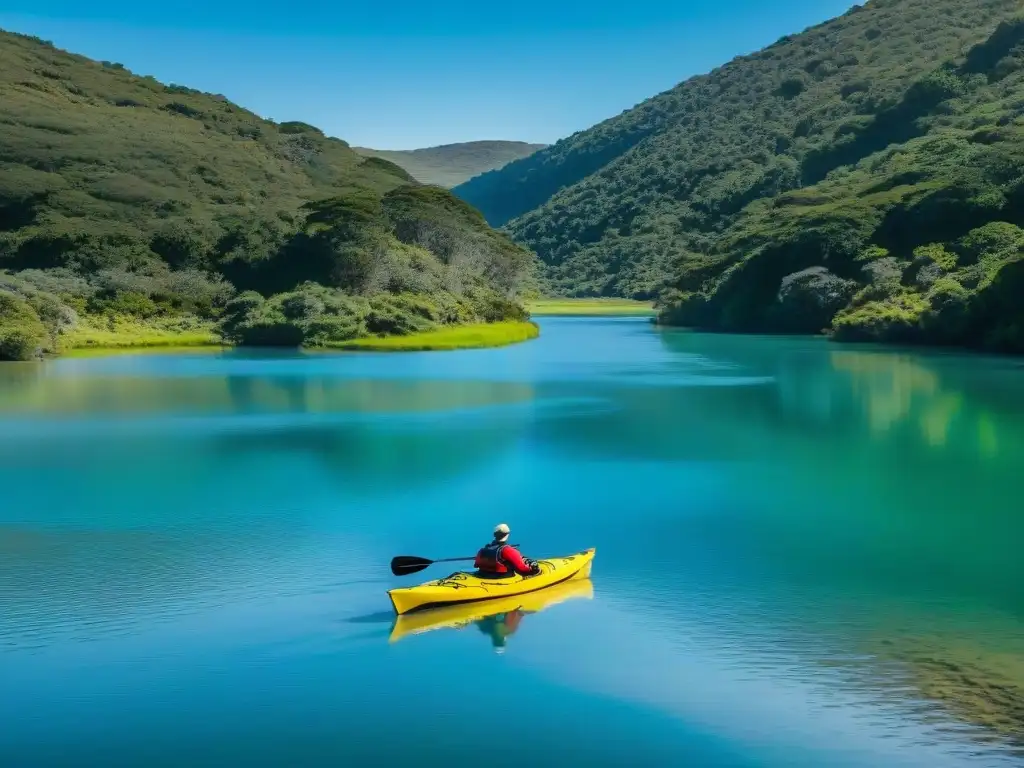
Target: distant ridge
x,y
449,165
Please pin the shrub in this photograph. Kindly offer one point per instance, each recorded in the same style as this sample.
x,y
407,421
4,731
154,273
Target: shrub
x,y
490,307
792,86
184,243
22,334
896,319
296,126
199,292
130,303
59,282
872,253
398,315
325,329
998,238
937,254
947,318
266,332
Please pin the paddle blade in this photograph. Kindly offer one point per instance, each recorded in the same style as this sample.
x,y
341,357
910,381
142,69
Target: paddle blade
x,y
403,565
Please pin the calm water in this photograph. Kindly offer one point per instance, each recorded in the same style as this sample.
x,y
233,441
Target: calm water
x,y
806,555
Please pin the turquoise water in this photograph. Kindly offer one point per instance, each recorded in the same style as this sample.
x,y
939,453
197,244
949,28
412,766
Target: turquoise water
x,y
806,555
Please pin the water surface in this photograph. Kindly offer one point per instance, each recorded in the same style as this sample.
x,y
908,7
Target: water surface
x,y
807,554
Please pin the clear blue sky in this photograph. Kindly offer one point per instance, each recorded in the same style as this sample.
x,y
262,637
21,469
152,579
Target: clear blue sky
x,y
399,74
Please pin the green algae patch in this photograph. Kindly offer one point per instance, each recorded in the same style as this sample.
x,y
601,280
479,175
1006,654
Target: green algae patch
x,y
590,307
475,336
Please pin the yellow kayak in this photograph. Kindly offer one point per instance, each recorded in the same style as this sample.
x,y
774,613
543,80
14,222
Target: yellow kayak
x,y
463,615
467,587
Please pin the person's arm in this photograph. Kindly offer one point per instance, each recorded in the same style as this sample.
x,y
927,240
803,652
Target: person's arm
x,y
516,561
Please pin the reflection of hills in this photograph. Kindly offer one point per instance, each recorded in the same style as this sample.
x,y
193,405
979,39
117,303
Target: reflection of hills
x,y
965,404
29,392
877,468
366,458
859,479
419,432
747,398
367,434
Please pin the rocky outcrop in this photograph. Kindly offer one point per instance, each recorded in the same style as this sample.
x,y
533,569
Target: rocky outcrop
x,y
809,299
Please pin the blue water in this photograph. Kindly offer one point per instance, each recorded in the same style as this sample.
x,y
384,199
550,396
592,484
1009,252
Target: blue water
x,y
806,554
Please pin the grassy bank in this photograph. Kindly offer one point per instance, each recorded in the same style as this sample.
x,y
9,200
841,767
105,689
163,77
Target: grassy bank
x,y
107,336
590,307
127,333
474,336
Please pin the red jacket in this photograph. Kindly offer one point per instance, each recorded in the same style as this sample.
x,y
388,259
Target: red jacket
x,y
501,558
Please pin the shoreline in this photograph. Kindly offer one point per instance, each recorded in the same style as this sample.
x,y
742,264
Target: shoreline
x,y
141,349
595,307
863,345
450,338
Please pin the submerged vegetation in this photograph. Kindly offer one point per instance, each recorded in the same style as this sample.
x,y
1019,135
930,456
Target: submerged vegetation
x,y
133,212
864,178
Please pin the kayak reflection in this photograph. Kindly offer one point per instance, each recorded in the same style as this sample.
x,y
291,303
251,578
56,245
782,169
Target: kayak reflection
x,y
500,627
498,619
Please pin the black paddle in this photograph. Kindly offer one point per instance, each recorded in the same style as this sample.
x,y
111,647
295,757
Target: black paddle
x,y
404,565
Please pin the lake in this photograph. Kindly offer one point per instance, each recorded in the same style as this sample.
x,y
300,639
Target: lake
x,y
807,554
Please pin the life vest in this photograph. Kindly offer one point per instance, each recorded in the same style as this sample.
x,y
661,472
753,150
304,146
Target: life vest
x,y
489,558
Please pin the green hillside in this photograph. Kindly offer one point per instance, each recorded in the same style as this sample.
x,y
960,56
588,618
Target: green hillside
x,y
914,236
451,164
610,208
133,208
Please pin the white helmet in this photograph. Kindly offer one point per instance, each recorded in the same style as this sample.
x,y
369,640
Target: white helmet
x,y
501,532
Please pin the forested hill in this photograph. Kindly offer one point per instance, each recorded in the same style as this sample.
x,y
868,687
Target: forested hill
x,y
913,236
126,201
452,164
609,208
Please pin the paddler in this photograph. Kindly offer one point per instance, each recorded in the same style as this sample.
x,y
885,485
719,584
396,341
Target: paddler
x,y
499,558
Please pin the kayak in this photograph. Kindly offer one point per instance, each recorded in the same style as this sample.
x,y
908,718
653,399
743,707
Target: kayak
x,y
457,616
464,587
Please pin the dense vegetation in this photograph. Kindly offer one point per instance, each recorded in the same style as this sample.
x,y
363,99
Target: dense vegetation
x,y
127,204
451,164
916,240
865,177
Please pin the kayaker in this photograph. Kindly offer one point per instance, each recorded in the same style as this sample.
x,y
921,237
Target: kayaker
x,y
499,558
